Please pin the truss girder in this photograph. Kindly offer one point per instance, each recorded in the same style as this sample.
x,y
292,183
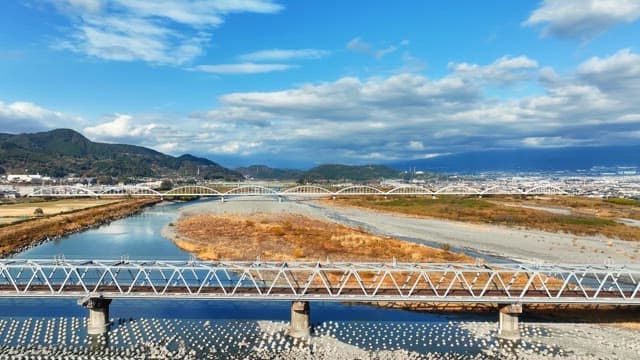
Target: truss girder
x,y
333,281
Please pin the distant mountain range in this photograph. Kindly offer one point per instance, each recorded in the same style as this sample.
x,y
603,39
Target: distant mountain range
x,y
528,160
63,152
263,172
328,172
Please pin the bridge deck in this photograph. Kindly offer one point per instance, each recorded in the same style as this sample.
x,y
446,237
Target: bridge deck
x,y
323,281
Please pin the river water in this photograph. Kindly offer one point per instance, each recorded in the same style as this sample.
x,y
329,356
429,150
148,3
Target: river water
x,y
139,237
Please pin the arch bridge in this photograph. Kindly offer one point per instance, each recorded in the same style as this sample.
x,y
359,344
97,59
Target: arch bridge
x,y
302,191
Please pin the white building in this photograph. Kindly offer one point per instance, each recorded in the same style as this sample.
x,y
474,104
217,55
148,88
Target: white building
x,y
27,178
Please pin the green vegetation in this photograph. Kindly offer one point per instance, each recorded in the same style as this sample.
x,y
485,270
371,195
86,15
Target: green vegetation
x,y
262,172
623,201
327,172
583,220
492,211
63,152
335,172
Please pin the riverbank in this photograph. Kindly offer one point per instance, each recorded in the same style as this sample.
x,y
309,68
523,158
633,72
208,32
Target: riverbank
x,y
294,237
15,238
576,216
490,242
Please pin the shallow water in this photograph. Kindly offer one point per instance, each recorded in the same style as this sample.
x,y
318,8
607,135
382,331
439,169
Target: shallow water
x,y
143,326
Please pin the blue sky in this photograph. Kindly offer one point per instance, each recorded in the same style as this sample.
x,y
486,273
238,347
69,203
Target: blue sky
x,y
305,82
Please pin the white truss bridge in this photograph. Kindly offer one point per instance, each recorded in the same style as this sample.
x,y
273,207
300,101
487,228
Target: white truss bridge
x,y
304,191
322,281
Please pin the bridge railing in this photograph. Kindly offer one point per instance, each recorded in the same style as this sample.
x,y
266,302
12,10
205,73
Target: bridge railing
x,y
334,281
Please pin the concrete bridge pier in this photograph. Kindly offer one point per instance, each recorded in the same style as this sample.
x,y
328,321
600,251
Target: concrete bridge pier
x,y
98,321
300,325
508,323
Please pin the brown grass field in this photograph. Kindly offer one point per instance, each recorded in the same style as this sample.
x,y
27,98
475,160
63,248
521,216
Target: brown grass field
x,y
20,211
287,237
588,217
280,237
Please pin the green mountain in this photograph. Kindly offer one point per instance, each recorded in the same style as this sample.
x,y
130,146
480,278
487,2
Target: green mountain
x,y
63,152
263,172
333,172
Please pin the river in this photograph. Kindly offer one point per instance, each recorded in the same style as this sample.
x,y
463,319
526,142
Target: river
x,y
139,237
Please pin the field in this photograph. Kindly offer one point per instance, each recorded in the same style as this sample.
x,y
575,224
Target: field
x,y
10,213
288,237
579,217
278,237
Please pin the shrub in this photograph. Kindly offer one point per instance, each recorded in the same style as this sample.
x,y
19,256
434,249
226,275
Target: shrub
x,y
38,212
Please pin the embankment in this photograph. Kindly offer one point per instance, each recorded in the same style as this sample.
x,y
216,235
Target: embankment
x,y
15,238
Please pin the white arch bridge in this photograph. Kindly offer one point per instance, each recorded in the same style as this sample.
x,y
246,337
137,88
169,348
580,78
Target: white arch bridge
x,y
302,191
510,286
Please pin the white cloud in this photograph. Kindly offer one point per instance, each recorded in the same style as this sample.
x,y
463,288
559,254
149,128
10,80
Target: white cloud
x,y
617,73
22,116
399,116
120,127
582,19
504,70
549,142
236,147
242,68
354,119
416,145
171,32
358,45
168,148
284,55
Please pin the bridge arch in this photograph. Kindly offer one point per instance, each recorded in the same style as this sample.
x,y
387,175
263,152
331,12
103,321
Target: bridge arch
x,y
359,190
308,190
502,189
250,190
62,191
458,189
545,189
129,191
192,190
409,190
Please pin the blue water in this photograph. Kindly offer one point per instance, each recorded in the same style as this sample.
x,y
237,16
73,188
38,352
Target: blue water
x,y
231,328
139,237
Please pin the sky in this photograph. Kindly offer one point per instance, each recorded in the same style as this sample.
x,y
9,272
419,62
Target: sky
x,y
299,83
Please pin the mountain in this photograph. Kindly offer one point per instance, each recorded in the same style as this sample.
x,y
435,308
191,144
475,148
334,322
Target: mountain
x,y
62,152
528,160
263,172
347,172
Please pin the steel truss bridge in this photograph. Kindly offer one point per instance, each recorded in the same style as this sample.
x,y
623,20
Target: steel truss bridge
x,y
322,281
308,191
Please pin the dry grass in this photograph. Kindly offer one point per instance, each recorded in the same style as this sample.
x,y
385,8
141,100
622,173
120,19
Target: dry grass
x,y
15,236
493,212
281,237
16,212
286,237
610,208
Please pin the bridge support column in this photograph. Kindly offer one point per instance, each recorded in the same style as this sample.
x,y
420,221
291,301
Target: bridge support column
x,y
98,321
300,324
508,323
